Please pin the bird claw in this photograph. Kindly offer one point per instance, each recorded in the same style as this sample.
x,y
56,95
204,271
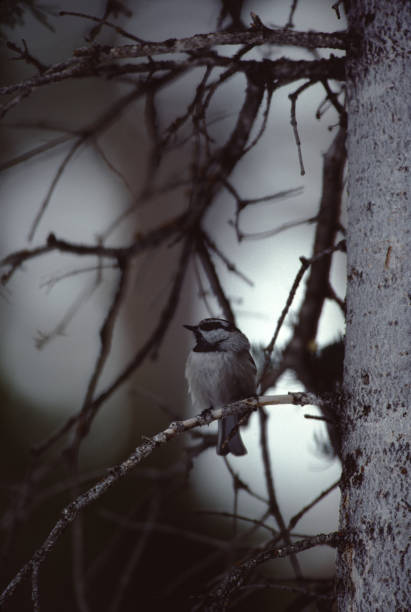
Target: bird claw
x,y
206,413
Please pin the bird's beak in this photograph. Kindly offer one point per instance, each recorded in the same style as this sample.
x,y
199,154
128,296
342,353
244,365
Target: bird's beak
x,y
191,327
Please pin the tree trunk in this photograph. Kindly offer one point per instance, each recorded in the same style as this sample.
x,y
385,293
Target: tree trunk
x,y
372,567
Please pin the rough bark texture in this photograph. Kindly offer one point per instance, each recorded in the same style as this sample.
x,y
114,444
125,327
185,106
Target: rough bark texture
x,y
373,568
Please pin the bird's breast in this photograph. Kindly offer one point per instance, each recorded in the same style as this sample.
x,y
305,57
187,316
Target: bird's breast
x,y
218,378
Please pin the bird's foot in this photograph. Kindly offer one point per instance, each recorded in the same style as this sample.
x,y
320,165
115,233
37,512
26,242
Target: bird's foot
x,y
206,412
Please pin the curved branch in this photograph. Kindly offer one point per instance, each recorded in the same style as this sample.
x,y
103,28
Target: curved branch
x,y
219,598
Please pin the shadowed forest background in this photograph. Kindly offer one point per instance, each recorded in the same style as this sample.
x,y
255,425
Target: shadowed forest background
x,y
93,349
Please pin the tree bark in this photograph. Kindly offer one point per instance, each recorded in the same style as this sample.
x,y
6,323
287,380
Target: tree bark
x,y
372,567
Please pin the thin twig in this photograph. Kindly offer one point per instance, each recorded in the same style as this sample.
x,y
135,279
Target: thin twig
x,y
305,264
47,146
332,97
101,124
100,151
143,242
131,525
157,336
293,8
297,517
242,203
269,479
315,417
219,598
278,230
51,282
60,171
25,55
108,24
241,517
228,263
88,411
293,99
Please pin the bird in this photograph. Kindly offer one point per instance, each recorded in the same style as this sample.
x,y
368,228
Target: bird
x,y
220,370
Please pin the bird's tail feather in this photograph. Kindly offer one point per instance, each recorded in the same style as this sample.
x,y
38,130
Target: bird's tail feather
x,y
229,442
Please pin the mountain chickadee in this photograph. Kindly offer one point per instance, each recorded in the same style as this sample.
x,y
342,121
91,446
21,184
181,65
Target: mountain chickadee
x,y
220,370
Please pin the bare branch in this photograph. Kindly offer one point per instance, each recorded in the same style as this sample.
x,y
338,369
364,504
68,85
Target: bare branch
x,y
336,7
153,343
335,102
297,517
255,36
229,264
143,242
243,203
293,8
88,411
164,528
240,517
277,230
281,72
219,598
108,24
269,479
327,227
71,511
25,55
47,146
293,97
76,145
328,539
305,264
